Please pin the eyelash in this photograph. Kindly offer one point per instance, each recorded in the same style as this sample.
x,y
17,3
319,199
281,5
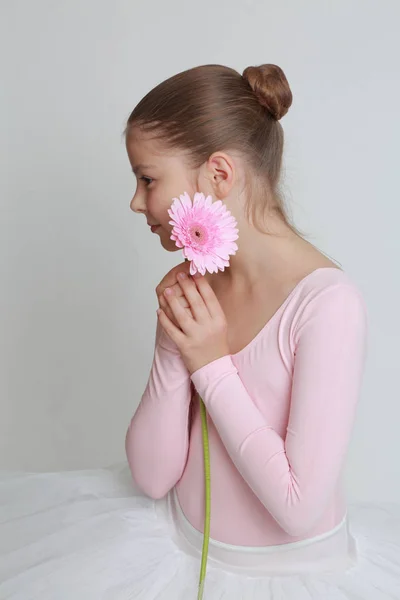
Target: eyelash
x,y
147,180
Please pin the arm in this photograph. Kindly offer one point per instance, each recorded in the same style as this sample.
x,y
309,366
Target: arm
x,y
294,477
157,439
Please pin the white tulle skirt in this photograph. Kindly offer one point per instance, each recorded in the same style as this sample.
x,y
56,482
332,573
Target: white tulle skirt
x,y
88,535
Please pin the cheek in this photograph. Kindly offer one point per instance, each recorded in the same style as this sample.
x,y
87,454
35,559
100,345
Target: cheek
x,y
158,208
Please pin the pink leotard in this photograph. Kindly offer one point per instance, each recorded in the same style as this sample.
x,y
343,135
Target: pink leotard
x,y
280,412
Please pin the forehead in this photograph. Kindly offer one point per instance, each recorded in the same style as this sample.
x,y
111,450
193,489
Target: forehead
x,y
145,151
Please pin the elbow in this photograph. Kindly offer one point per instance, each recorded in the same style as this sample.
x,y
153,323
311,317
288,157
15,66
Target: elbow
x,y
146,477
153,487
154,491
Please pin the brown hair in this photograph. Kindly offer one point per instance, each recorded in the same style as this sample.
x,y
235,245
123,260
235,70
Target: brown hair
x,y
212,107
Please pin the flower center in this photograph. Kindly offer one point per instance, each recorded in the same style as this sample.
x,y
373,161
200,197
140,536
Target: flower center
x,y
198,233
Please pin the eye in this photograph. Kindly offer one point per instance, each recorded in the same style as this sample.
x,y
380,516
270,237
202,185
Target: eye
x,y
147,180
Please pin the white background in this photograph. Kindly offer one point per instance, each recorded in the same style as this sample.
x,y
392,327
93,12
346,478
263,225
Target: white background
x,y
78,269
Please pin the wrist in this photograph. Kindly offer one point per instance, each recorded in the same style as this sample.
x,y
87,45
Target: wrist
x,y
198,364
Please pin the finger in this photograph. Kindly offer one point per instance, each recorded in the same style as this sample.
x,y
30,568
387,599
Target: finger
x,y
170,314
196,302
170,278
168,311
172,319
208,295
162,302
184,320
182,299
165,306
178,290
170,329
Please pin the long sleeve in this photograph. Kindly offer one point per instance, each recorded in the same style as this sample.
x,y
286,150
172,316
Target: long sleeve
x,y
294,477
157,438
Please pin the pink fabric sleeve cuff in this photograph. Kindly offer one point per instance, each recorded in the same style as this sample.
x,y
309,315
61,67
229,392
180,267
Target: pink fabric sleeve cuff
x,y
213,372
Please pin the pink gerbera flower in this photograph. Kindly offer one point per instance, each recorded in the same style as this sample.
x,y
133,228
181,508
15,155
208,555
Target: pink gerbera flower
x,y
205,230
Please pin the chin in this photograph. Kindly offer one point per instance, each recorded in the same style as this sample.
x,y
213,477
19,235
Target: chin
x,y
171,248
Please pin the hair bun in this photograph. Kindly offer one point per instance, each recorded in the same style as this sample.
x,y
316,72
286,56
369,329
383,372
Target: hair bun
x,y
271,88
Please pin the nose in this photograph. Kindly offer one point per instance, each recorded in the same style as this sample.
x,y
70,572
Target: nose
x,y
138,204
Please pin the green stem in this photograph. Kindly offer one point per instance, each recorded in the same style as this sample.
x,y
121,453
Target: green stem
x,y
207,512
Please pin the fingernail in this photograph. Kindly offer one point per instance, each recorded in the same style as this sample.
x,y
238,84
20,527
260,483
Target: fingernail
x,y
168,291
182,275
158,311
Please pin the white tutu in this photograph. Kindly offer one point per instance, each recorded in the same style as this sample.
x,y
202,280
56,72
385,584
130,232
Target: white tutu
x,y
88,535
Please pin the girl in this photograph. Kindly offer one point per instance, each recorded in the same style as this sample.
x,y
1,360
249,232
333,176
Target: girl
x,y
274,345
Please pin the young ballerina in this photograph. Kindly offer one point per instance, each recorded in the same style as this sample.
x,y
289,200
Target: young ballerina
x,y
274,345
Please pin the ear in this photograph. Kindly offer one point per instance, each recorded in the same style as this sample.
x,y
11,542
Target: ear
x,y
219,172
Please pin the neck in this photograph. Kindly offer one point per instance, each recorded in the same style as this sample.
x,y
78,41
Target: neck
x,y
276,256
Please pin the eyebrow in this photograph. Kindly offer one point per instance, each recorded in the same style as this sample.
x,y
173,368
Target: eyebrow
x,y
141,167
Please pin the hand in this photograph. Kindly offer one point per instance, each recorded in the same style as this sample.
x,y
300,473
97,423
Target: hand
x,y
170,280
200,336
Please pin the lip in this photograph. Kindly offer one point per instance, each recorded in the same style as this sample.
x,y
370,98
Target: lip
x,y
154,227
